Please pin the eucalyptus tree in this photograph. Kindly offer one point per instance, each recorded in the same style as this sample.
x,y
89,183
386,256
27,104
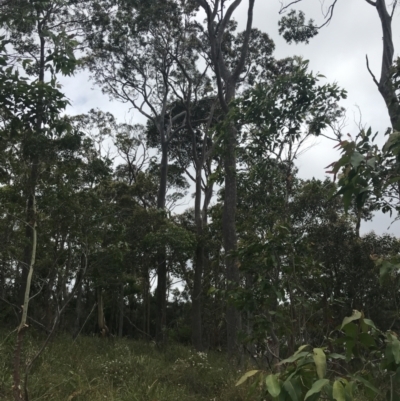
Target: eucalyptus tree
x,y
294,28
41,40
195,148
276,117
227,78
238,60
133,56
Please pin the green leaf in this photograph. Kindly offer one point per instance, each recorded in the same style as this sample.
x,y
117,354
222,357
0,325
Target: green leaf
x,y
292,388
387,268
301,349
320,362
339,393
316,387
336,356
273,385
367,340
396,349
294,357
355,316
246,376
351,330
369,323
367,384
356,159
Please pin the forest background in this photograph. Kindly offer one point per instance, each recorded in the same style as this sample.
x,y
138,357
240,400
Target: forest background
x,y
183,210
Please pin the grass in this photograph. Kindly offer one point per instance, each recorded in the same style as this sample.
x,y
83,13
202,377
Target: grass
x,y
94,369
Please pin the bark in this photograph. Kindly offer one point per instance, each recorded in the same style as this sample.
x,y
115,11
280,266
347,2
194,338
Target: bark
x,y
227,81
161,292
30,217
101,321
79,290
233,320
23,325
33,175
197,340
121,311
78,311
385,84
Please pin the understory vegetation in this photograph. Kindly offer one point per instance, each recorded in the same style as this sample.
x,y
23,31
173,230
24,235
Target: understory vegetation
x,y
92,369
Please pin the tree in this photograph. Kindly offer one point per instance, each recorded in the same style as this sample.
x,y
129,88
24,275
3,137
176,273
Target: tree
x,y
276,117
133,58
227,78
292,27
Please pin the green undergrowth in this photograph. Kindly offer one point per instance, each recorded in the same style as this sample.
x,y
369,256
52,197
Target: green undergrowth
x,y
122,370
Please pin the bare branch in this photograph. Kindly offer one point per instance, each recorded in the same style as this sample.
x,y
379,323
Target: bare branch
x,y
227,17
245,46
373,3
393,9
328,15
284,8
372,74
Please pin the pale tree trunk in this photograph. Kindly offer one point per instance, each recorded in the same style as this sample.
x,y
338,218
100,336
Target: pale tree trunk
x,y
30,234
33,177
23,325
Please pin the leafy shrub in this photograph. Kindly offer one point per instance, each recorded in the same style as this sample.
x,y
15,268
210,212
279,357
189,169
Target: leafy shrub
x,y
368,364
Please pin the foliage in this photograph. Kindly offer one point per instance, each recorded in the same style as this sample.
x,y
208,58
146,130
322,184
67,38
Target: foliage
x,y
294,29
93,369
369,357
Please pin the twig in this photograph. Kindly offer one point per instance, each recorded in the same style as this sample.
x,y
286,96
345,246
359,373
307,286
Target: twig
x,y
19,309
137,328
284,8
84,323
8,336
394,8
369,70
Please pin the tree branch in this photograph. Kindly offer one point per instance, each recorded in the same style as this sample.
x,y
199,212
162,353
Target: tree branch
x,y
284,8
245,46
372,74
393,9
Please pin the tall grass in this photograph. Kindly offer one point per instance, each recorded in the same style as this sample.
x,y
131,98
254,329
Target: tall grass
x,y
94,369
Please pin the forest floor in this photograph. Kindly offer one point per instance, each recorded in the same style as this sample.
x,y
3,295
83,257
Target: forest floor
x,y
94,369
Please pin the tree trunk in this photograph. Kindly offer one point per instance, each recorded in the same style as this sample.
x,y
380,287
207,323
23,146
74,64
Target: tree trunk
x,y
161,292
233,320
78,311
227,81
385,84
121,311
23,325
79,290
197,338
32,182
101,321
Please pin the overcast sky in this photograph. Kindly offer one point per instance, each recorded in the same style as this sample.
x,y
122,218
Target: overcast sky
x,y
338,52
